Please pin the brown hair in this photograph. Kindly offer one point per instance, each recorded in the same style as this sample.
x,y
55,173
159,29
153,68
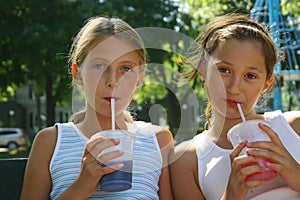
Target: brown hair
x,y
233,26
94,29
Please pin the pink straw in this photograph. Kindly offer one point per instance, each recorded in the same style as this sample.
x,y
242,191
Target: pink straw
x,y
241,112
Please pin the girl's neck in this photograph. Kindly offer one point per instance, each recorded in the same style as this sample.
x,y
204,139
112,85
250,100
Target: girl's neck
x,y
94,122
220,127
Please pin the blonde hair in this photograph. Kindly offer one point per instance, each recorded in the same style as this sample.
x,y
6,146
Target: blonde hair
x,y
100,27
232,26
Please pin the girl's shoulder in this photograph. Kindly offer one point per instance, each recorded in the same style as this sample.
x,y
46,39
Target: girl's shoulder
x,y
48,134
163,134
43,146
45,140
186,150
293,118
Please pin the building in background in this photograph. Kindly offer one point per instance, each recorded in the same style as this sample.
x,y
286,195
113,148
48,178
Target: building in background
x,y
22,112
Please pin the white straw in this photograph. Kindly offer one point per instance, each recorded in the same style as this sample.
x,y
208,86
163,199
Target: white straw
x,y
244,119
241,112
113,115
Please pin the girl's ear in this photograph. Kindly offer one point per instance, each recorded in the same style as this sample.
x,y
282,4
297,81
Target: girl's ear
x,y
76,75
268,83
201,71
140,81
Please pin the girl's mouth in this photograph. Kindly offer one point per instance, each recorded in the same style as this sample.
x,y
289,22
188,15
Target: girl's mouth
x,y
108,99
231,103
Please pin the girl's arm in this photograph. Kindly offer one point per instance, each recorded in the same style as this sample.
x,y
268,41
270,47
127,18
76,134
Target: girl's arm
x,y
184,173
37,180
165,140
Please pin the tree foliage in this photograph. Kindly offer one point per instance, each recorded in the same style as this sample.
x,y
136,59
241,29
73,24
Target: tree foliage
x,y
35,36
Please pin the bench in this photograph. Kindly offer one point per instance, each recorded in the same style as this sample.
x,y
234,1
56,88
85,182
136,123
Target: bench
x,y
11,174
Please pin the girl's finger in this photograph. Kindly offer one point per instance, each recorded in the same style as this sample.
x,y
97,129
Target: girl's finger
x,y
102,144
244,161
237,150
91,143
104,158
110,169
271,133
259,149
253,184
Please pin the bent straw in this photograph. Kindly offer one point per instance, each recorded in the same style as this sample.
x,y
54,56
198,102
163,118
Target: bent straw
x,y
241,112
112,106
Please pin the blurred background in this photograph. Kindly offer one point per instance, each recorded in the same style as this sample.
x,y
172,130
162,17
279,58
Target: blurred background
x,y
35,81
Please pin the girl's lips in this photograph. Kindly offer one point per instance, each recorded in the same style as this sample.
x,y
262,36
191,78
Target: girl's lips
x,y
231,103
109,98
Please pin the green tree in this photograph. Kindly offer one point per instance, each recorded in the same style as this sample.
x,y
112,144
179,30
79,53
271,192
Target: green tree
x,y
35,37
35,40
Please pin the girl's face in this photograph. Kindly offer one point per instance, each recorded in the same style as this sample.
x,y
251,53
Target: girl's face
x,y
237,75
110,70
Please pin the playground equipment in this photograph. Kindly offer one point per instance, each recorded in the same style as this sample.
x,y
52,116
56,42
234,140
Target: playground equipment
x,y
286,35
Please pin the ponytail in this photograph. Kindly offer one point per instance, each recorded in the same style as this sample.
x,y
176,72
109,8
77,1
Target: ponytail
x,y
77,117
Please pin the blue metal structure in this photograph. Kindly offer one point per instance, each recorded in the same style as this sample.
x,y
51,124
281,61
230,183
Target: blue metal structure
x,y
285,33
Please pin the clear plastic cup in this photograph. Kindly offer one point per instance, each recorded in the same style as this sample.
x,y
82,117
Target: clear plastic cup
x,y
122,179
249,130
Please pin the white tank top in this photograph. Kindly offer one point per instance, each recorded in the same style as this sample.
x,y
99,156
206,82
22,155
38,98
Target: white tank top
x,y
214,164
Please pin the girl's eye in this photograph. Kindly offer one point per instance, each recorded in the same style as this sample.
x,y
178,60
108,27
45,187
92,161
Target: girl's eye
x,y
223,70
250,76
126,68
99,66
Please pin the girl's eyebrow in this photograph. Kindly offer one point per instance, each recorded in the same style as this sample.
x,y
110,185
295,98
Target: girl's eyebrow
x,y
255,68
249,67
128,61
98,59
218,61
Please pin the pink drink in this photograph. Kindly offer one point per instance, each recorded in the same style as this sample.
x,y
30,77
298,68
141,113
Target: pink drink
x,y
249,130
267,175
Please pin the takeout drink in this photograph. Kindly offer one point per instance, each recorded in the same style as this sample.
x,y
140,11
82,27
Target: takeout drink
x,y
250,131
122,179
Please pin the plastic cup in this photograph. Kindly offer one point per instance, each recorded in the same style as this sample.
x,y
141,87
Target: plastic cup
x,y
249,130
122,179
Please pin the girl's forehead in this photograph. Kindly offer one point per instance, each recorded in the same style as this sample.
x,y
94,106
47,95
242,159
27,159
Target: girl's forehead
x,y
235,47
241,52
112,48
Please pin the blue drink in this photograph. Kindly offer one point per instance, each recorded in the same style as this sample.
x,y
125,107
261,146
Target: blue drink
x,y
119,180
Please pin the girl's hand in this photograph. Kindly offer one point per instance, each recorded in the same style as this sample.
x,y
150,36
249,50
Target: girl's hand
x,y
282,161
237,187
92,168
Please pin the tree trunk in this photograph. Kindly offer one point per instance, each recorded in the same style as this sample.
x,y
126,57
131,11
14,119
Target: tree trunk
x,y
50,101
174,110
38,110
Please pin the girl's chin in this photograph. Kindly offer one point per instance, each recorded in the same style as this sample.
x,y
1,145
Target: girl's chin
x,y
228,113
108,113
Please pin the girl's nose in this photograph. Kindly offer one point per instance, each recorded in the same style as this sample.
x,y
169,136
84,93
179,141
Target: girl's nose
x,y
111,78
234,86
